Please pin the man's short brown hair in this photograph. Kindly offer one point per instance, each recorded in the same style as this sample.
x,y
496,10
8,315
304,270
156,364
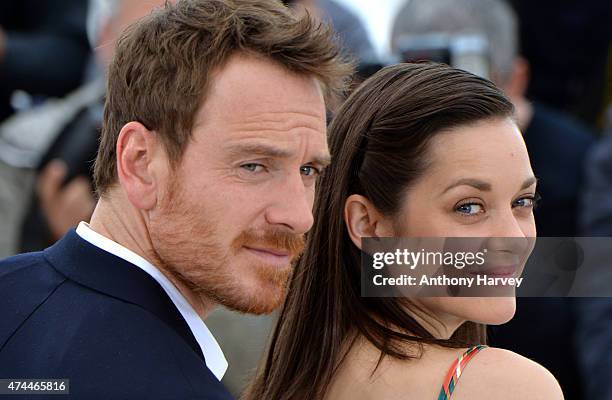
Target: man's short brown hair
x,y
163,65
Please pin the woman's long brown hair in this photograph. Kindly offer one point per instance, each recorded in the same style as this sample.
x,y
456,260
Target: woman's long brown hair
x,y
378,142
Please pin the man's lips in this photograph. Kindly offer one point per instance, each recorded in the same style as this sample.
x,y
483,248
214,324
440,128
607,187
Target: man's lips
x,y
274,256
274,252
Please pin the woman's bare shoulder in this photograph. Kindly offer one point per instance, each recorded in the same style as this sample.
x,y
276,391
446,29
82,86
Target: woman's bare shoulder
x,y
502,374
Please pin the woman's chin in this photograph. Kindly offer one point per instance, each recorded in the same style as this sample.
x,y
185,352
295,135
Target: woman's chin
x,y
495,310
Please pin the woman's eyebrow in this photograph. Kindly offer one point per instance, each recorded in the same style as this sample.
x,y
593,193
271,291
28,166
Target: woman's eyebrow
x,y
475,183
485,186
528,182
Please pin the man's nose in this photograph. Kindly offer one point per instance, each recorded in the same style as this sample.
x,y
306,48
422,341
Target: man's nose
x,y
292,206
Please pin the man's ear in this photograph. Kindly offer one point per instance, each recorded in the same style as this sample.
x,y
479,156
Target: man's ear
x,y
138,151
363,220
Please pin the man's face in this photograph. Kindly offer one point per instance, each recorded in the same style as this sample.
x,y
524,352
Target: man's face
x,y
232,217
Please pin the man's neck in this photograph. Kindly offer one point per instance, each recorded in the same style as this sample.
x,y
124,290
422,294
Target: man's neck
x,y
116,219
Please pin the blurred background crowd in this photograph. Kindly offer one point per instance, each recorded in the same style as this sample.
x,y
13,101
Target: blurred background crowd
x,y
552,58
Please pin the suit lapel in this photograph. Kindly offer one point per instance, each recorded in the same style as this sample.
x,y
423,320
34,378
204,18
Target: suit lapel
x,y
97,269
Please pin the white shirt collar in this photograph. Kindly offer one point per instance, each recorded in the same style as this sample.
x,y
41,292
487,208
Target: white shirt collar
x,y
215,360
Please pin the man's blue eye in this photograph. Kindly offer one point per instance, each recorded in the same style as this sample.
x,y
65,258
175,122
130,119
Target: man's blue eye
x,y
309,171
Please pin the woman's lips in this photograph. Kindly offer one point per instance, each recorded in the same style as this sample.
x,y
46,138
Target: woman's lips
x,y
508,271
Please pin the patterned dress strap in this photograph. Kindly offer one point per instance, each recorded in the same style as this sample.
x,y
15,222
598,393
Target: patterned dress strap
x,y
455,371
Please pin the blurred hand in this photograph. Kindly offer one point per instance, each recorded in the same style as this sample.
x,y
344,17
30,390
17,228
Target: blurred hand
x,y
64,207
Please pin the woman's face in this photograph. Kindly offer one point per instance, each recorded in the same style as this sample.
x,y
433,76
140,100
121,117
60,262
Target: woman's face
x,y
479,183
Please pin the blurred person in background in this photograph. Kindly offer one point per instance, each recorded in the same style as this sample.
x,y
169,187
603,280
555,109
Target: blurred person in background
x,y
594,315
43,51
594,324
43,48
213,137
63,193
53,173
557,146
351,32
569,48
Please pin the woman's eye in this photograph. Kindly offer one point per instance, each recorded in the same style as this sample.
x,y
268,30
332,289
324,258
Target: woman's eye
x,y
309,171
253,167
528,202
470,209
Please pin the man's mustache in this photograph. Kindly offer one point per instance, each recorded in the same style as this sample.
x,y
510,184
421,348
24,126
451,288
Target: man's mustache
x,y
276,240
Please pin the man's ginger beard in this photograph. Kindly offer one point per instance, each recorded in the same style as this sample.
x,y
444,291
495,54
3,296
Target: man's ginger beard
x,y
185,243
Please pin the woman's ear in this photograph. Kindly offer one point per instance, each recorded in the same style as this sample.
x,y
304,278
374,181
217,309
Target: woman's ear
x,y
362,219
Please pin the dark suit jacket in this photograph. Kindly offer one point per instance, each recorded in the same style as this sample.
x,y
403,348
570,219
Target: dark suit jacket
x,y
75,311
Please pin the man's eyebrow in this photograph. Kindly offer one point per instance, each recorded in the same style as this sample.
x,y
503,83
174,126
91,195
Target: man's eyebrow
x,y
258,149
485,186
266,150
